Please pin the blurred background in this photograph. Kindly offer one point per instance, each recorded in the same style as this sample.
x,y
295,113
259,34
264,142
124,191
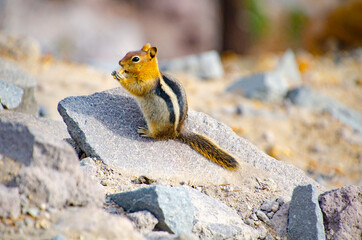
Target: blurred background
x,y
71,46
101,31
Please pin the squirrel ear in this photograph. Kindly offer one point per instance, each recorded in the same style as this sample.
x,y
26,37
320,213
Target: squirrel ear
x,y
146,47
152,52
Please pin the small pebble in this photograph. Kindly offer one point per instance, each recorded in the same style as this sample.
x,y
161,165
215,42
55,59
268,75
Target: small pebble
x,y
250,222
44,224
275,207
88,161
262,216
34,212
267,206
281,201
43,206
29,222
268,137
253,217
270,214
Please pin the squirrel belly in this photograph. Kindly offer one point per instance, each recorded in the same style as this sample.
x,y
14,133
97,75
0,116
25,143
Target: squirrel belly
x,y
163,103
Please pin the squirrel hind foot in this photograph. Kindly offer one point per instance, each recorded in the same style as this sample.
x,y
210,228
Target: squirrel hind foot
x,y
144,132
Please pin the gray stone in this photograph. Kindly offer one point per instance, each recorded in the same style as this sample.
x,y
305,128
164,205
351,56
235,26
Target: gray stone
x,y
34,212
342,212
10,95
9,202
53,174
58,189
270,214
305,220
28,139
171,206
104,125
14,75
288,67
269,206
306,97
262,216
214,220
267,86
280,200
144,221
88,161
204,65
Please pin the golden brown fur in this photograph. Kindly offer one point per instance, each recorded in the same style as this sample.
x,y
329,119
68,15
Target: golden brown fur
x,y
163,103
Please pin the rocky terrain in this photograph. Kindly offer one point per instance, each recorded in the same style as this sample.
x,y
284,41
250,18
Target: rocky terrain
x,y
82,171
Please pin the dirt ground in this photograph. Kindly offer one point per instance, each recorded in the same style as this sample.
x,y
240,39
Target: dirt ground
x,y
326,149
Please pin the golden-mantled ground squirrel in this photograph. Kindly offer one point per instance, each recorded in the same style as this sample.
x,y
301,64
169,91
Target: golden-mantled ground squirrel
x,y
163,102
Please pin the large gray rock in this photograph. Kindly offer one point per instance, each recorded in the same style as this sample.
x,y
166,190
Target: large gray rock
x,y
105,125
9,202
28,139
52,174
10,95
266,86
342,212
306,97
171,206
215,220
14,75
305,220
204,65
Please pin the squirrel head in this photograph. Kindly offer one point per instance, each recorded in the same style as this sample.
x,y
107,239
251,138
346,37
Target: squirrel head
x,y
139,65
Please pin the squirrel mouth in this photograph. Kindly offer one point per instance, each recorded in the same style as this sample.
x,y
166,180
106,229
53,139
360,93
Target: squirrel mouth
x,y
118,75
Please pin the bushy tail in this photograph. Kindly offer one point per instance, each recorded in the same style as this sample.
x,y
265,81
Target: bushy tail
x,y
209,149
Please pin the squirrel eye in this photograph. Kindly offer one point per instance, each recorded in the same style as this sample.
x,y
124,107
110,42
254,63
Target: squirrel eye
x,y
135,59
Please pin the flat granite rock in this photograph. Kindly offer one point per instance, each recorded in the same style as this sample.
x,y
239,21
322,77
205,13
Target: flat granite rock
x,y
105,125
